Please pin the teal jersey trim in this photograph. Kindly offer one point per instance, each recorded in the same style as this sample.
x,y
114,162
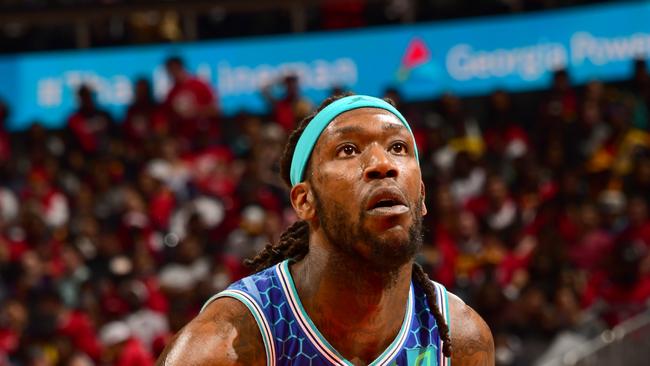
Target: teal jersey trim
x,y
448,319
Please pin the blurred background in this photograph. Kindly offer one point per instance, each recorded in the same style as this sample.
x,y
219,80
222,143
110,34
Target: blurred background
x,y
139,147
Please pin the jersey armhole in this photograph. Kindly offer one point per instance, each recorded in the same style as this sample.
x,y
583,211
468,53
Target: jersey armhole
x,y
447,318
258,315
443,305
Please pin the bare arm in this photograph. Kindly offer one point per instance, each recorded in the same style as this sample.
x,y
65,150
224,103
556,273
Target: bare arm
x,y
471,339
224,334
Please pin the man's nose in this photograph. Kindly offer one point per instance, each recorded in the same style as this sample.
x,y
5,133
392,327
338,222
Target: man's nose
x,y
379,164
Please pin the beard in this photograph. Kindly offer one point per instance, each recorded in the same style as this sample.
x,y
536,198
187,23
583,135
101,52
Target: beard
x,y
383,255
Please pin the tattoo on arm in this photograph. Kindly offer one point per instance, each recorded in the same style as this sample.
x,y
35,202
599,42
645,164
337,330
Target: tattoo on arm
x,y
472,343
225,334
476,351
248,341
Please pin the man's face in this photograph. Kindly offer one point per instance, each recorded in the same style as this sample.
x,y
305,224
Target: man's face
x,y
368,188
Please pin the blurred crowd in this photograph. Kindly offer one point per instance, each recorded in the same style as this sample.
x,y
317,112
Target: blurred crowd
x,y
494,5
22,25
114,233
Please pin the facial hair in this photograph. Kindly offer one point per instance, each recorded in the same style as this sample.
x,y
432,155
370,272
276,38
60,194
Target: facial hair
x,y
384,255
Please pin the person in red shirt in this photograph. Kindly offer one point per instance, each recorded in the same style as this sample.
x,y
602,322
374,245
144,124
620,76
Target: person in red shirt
x,y
13,322
51,204
291,107
191,106
639,220
144,116
52,320
160,197
91,126
121,348
561,103
620,290
78,327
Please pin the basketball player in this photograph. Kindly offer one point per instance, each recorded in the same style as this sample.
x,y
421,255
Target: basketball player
x,y
341,287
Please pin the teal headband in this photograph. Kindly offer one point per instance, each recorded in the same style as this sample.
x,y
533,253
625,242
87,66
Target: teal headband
x,y
313,130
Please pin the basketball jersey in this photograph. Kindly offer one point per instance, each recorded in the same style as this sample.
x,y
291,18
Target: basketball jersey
x,y
291,338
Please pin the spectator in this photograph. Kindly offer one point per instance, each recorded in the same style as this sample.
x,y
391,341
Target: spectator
x,y
561,102
160,198
91,126
8,206
468,178
248,239
291,107
121,348
464,132
504,137
497,208
144,117
13,324
191,106
620,288
48,200
144,323
588,249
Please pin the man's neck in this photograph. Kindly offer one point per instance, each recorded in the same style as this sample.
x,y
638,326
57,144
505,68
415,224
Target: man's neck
x,y
358,309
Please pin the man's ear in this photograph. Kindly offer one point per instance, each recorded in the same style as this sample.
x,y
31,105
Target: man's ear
x,y
302,200
423,196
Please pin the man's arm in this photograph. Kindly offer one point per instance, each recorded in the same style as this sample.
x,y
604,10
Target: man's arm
x,y
224,334
471,339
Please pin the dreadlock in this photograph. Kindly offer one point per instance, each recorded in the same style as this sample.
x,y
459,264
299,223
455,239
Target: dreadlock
x,y
294,242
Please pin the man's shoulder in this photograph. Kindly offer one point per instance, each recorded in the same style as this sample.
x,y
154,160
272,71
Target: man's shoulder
x,y
471,339
224,333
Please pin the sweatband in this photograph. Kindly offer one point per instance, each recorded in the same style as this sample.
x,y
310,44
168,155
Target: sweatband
x,y
317,125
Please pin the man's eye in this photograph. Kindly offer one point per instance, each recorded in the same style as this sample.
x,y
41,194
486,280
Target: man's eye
x,y
347,150
398,148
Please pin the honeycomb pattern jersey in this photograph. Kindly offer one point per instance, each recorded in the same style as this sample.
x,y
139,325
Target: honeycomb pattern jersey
x,y
291,338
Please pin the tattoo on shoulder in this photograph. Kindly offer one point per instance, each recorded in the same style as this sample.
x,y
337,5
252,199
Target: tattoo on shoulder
x,y
226,334
248,343
234,319
473,344
476,351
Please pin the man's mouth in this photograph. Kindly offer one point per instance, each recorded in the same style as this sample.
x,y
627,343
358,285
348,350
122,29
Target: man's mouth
x,y
387,202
